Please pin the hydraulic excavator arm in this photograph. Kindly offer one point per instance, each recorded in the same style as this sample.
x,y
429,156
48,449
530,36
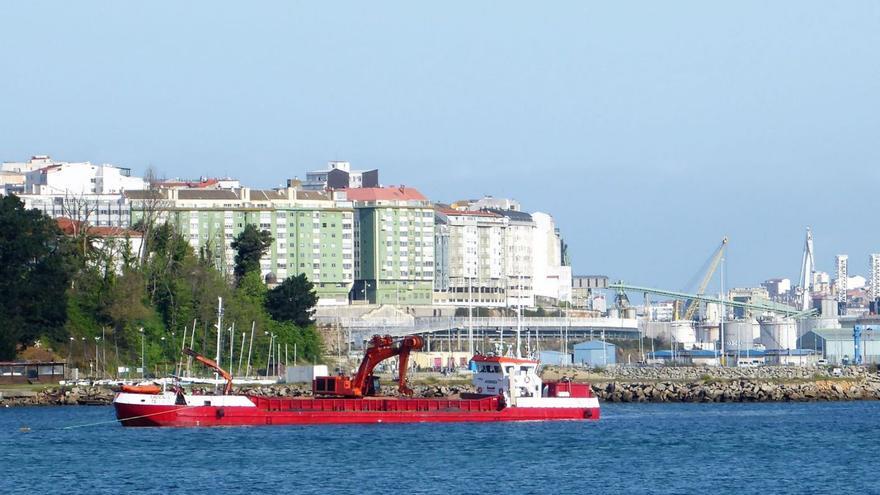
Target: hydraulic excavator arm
x,y
212,364
379,349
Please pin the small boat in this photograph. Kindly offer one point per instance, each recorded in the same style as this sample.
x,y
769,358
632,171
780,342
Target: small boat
x,y
506,389
140,389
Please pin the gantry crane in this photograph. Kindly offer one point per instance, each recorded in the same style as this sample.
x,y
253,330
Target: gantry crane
x,y
693,304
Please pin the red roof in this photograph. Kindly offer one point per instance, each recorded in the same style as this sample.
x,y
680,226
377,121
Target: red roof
x,y
191,184
392,193
69,227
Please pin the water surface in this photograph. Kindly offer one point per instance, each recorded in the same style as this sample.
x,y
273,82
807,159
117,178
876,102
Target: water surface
x,y
634,448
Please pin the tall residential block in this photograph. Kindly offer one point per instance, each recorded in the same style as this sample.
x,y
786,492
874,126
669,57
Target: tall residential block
x,y
476,261
313,231
840,285
875,276
394,238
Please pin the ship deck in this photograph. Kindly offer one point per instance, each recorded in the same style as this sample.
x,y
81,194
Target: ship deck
x,y
378,404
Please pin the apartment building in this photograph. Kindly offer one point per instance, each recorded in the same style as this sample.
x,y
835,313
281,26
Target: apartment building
x,y
394,238
312,231
475,260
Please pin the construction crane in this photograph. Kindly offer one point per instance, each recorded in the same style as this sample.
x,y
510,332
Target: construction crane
x,y
364,383
692,305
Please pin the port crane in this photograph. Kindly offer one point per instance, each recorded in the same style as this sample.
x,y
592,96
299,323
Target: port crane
x,y
691,304
364,383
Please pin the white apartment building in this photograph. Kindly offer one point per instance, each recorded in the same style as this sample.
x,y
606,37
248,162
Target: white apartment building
x,y
875,275
339,175
82,191
476,257
840,284
518,248
552,279
81,179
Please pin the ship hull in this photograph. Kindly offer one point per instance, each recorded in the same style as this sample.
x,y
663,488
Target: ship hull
x,y
342,411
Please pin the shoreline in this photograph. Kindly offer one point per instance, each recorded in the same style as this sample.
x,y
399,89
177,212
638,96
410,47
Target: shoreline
x,y
648,384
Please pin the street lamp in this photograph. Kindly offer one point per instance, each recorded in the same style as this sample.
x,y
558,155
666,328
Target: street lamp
x,y
96,355
164,353
143,352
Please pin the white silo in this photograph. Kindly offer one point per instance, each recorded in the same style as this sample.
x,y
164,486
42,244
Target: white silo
x,y
739,334
778,333
683,333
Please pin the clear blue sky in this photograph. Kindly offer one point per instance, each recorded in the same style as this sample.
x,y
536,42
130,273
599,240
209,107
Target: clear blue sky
x,y
648,129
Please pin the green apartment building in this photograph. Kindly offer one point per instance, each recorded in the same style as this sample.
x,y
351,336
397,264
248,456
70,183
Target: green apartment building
x,y
394,239
313,231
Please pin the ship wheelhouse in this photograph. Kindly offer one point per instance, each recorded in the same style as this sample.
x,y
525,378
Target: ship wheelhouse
x,y
510,377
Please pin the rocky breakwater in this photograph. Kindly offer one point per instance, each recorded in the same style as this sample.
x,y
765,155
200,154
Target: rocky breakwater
x,y
701,384
739,391
57,396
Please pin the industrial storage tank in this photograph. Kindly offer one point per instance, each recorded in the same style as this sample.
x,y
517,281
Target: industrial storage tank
x,y
707,333
778,333
740,334
683,333
807,325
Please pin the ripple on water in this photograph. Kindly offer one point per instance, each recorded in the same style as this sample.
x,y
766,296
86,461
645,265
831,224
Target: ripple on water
x,y
634,448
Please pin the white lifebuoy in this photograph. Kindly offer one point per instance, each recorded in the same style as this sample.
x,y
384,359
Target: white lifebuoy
x,y
527,379
479,390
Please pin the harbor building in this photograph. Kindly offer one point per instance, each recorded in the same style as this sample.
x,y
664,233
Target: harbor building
x,y
582,287
595,353
313,231
394,239
837,346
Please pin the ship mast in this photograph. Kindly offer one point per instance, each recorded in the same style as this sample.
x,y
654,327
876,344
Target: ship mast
x,y
219,337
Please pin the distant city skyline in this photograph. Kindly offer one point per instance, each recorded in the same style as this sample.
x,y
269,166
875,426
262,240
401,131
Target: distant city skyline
x,y
649,131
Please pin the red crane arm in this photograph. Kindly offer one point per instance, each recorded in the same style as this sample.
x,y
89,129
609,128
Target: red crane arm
x,y
380,349
212,364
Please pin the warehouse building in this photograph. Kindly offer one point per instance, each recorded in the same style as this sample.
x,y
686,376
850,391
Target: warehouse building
x,y
554,358
594,353
837,347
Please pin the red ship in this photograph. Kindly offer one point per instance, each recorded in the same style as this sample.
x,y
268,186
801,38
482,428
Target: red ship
x,y
507,389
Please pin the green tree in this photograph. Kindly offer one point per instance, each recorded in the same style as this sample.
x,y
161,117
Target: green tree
x,y
34,275
293,300
250,245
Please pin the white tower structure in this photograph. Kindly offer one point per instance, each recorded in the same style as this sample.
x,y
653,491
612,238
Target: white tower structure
x,y
808,268
840,283
875,276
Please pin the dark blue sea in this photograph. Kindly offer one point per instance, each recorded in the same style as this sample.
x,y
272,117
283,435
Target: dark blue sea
x,y
634,448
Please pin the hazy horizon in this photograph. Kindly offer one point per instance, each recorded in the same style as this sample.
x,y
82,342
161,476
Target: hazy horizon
x,y
648,130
